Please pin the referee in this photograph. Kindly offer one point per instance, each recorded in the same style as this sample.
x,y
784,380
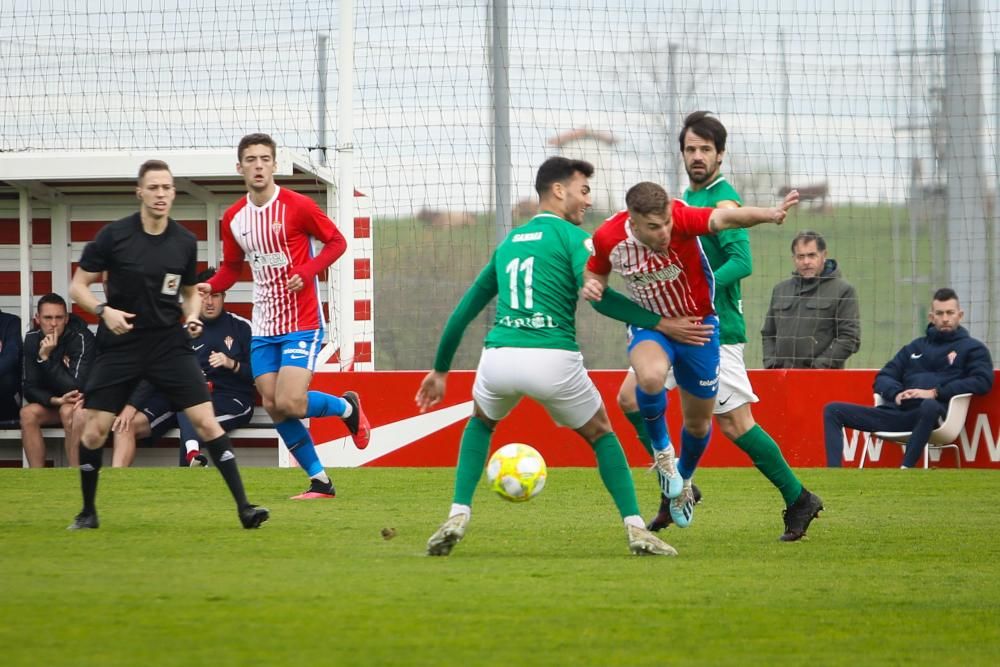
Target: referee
x,y
149,260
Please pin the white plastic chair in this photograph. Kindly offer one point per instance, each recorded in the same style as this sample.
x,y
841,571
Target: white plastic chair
x,y
943,437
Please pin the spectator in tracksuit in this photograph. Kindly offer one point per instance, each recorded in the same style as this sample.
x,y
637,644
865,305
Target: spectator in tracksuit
x,y
58,354
10,368
222,345
917,384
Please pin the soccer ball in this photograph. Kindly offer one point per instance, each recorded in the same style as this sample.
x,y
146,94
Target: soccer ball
x,y
516,472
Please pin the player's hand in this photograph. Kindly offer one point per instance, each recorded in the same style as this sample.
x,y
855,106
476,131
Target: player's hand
x,y
688,330
204,290
195,328
295,282
73,397
117,321
219,359
593,289
46,346
431,390
780,212
123,421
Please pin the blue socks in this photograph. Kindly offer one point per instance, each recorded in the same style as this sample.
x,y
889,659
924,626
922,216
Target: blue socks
x,y
691,450
324,405
653,408
300,444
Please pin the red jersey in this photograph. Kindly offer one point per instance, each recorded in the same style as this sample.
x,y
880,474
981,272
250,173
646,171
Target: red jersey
x,y
276,239
675,283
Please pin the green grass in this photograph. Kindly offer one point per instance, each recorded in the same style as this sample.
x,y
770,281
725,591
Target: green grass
x,y
421,272
902,568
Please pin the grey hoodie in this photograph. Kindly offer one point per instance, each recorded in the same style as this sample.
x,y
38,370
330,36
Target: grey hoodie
x,y
812,322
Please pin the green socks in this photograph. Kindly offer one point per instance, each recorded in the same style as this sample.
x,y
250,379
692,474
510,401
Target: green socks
x,y
767,457
471,460
615,473
640,429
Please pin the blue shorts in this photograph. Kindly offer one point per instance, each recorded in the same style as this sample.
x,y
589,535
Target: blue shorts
x,y
300,349
696,367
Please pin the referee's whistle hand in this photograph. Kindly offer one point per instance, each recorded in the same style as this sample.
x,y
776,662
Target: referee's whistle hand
x,y
117,321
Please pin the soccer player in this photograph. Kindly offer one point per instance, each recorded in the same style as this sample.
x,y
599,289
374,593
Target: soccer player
x,y
535,273
150,261
654,246
272,228
703,146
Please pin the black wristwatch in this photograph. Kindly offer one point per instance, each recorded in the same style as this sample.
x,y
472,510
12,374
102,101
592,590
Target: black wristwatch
x,y
100,309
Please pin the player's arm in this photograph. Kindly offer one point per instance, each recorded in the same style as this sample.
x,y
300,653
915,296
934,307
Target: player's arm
x,y
751,216
736,247
320,226
480,293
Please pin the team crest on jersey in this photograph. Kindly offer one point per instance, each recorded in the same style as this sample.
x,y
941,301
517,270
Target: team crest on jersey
x,y
228,340
276,226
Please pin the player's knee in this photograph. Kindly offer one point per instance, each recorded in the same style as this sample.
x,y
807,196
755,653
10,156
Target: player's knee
x,y
697,427
290,407
93,436
626,399
651,381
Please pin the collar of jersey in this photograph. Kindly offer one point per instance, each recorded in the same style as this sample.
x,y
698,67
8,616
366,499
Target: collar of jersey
x,y
274,197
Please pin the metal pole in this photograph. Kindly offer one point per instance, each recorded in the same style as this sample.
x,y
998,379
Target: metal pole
x,y
345,182
321,71
786,105
502,169
24,256
672,123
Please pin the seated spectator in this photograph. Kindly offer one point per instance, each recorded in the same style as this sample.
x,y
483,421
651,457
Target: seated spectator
x,y
58,353
10,368
917,384
222,345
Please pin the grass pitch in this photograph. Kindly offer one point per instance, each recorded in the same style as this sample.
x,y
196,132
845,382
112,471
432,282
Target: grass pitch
x,y
902,568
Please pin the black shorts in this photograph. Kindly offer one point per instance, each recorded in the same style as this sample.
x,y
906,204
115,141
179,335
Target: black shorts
x,y
162,356
230,411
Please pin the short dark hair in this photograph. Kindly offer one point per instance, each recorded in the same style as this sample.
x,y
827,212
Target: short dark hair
x,y
807,235
705,126
945,294
152,165
646,197
205,275
256,139
559,170
54,298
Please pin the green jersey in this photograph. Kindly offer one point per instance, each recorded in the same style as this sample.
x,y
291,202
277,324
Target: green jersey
x,y
728,254
535,274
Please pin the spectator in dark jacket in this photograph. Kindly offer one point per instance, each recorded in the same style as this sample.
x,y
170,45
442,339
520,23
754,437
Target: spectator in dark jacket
x,y
58,353
812,321
917,383
10,368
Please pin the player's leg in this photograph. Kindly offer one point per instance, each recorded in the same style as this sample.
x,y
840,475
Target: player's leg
x,y
734,414
33,417
630,408
494,394
293,400
650,354
291,385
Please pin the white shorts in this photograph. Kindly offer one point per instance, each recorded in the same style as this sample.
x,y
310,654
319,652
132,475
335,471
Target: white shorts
x,y
734,383
554,378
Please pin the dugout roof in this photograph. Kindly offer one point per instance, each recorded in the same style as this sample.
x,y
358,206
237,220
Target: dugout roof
x,y
60,181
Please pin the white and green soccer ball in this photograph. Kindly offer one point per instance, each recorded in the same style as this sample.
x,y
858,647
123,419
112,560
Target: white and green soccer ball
x,y
516,472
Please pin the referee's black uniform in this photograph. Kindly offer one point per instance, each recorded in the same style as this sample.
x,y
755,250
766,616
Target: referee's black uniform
x,y
144,276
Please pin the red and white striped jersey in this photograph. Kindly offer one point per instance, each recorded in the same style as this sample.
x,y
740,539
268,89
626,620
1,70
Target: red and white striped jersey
x,y
276,239
675,283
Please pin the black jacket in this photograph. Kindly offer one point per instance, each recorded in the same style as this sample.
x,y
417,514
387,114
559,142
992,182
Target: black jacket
x,y
953,363
66,368
10,366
